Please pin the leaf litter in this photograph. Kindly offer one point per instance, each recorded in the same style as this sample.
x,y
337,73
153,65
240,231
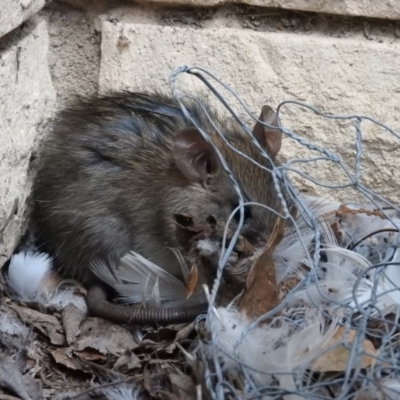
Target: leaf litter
x,y
53,350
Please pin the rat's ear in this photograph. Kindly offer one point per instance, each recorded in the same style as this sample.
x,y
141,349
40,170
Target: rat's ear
x,y
268,138
194,156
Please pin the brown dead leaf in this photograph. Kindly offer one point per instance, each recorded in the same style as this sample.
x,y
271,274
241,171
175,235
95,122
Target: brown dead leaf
x,y
345,210
72,318
7,397
104,336
337,232
127,362
184,385
64,357
182,334
243,248
262,293
191,281
336,359
94,368
287,285
14,334
92,355
47,324
11,378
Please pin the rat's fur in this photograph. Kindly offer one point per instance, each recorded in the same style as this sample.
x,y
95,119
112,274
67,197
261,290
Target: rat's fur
x,y
109,184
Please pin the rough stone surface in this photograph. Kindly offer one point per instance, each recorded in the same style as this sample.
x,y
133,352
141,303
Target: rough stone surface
x,y
14,12
342,66
376,9
388,9
336,75
74,52
26,97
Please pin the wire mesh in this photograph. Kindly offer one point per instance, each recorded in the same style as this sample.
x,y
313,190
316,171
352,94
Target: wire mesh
x,y
335,333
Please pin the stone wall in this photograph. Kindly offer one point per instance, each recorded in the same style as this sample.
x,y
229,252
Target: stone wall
x,y
340,56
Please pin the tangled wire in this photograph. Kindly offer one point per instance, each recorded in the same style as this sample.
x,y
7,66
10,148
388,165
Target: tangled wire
x,y
335,332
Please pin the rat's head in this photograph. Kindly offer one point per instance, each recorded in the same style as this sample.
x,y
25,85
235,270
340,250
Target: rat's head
x,y
211,191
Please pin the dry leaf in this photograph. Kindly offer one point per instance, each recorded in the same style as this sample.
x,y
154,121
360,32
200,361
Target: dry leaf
x,y
7,397
105,337
72,318
12,379
336,359
287,285
64,357
191,281
184,386
182,334
243,247
127,362
16,336
92,355
46,324
262,293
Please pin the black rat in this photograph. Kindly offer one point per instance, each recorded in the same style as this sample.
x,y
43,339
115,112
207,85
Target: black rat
x,y
117,169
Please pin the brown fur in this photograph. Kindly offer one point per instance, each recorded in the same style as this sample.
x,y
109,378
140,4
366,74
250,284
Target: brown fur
x,y
109,184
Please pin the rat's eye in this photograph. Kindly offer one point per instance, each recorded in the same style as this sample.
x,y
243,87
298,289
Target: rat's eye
x,y
247,213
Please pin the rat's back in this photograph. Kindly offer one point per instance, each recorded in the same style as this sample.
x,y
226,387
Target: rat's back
x,y
110,182
102,167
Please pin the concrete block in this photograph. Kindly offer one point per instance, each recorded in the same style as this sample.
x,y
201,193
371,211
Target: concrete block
x,y
74,52
14,12
26,99
342,76
389,9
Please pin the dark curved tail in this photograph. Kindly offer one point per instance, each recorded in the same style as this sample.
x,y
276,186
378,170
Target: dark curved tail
x,y
99,306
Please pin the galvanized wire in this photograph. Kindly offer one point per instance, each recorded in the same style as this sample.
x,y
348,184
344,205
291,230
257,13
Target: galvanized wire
x,y
380,379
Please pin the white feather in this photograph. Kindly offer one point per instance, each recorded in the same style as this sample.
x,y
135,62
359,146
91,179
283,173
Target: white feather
x,y
182,262
319,206
26,274
26,278
124,391
207,247
264,351
337,276
138,280
285,350
11,325
60,299
391,388
386,291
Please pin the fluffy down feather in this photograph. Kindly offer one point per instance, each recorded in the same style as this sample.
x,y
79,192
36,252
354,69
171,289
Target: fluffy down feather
x,y
137,279
26,278
268,351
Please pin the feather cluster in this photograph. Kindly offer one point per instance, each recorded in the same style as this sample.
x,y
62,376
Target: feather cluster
x,y
123,391
27,279
346,262
359,258
138,280
12,326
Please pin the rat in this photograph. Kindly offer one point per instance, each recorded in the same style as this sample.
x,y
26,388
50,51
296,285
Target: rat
x,y
116,169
